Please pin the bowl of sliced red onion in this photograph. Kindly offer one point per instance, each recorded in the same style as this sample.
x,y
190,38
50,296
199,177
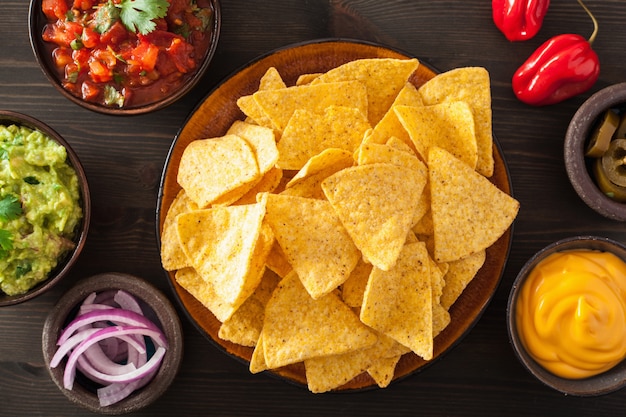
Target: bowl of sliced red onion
x,y
113,343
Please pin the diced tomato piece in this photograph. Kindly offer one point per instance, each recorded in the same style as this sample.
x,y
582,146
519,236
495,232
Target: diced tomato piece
x,y
83,4
90,91
145,55
62,32
115,35
54,9
81,57
180,52
90,38
62,57
101,65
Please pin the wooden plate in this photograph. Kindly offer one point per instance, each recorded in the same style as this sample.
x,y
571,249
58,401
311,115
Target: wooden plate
x,y
219,110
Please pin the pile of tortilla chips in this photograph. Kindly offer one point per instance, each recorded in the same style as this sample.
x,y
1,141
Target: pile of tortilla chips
x,y
338,223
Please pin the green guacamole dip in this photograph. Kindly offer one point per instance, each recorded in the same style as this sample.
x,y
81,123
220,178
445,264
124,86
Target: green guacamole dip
x,y
39,207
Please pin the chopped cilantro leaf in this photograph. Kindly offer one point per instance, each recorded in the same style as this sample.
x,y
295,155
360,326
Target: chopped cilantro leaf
x,y
106,15
138,15
31,180
6,242
10,208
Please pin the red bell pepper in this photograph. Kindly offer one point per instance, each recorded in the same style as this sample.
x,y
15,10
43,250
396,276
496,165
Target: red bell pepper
x,y
519,20
563,67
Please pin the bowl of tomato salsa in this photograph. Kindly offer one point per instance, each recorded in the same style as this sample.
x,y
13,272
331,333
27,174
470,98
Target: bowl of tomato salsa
x,y
124,57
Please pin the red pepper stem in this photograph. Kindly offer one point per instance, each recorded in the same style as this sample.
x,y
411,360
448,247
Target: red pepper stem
x,y
593,19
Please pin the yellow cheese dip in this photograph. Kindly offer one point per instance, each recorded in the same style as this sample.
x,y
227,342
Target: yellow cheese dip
x,y
571,313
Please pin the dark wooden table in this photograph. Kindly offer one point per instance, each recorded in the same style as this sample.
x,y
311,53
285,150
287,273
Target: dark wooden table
x,y
123,159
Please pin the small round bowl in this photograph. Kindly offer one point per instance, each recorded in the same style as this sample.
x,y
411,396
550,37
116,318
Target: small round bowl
x,y
156,307
604,383
576,138
43,50
7,118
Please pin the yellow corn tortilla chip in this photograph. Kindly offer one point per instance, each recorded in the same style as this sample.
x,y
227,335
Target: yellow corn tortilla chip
x,y
376,203
307,182
389,126
400,145
271,80
205,293
398,302
268,183
307,134
472,85
172,255
313,240
383,369
262,141
307,78
469,212
210,168
448,125
277,261
459,274
244,326
257,361
280,104
353,289
227,246
383,77
297,327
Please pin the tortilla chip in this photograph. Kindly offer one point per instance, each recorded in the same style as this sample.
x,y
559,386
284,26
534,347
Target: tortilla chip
x,y
389,126
277,261
472,85
308,134
257,361
398,302
383,369
460,273
280,104
268,183
469,212
227,246
314,241
205,293
210,168
244,326
304,79
448,125
297,327
376,203
271,80
172,255
383,77
353,289
262,141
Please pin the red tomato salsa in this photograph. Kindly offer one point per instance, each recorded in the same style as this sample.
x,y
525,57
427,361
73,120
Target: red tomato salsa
x,y
126,53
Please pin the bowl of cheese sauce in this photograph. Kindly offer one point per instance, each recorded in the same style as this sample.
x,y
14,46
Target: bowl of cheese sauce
x,y
567,315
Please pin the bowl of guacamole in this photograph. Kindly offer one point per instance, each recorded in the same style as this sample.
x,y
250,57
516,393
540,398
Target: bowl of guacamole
x,y
44,207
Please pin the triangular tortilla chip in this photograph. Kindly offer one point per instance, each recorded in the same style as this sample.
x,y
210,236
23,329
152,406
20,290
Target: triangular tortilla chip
x,y
297,327
210,168
279,105
383,369
313,240
469,213
172,255
205,293
460,273
472,85
271,80
384,78
447,125
398,303
376,204
262,141
307,134
227,246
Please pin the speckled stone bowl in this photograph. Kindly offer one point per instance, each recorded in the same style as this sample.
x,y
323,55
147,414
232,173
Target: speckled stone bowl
x,y
576,139
8,117
604,383
157,307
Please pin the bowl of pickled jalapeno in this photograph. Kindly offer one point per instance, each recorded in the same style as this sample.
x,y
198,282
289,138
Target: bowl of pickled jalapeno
x,y
124,57
595,152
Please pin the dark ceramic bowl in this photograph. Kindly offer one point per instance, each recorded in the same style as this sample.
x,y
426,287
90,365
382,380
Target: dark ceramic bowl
x,y
42,50
604,383
576,139
56,275
156,307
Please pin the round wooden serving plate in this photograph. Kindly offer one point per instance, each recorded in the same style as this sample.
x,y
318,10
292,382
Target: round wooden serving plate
x,y
219,110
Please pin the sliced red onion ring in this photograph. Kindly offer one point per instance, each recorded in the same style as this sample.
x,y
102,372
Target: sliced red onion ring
x,y
106,342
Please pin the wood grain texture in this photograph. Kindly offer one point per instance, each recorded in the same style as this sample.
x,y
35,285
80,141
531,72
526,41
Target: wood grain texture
x,y
123,158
